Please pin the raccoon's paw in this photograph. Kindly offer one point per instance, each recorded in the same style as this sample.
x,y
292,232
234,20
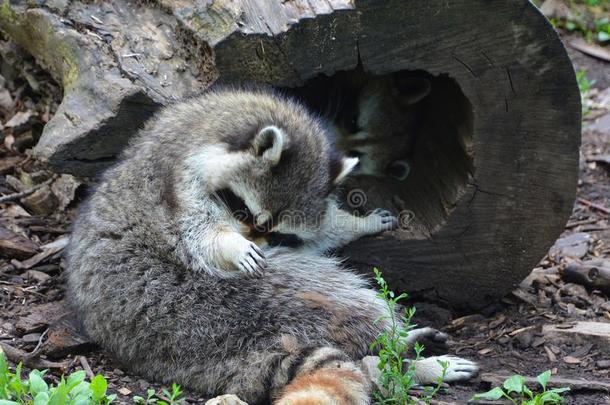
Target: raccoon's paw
x,y
432,339
243,254
380,220
428,370
227,399
251,259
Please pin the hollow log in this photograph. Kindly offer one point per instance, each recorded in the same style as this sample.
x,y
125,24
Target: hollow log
x,y
493,176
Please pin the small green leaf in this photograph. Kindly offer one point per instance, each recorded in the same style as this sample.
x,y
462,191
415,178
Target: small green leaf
x,y
75,379
550,398
59,395
514,384
544,378
138,400
98,386
6,402
603,36
493,394
81,399
37,384
42,398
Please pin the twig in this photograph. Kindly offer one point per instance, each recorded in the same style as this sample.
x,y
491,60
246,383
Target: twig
x,y
85,364
25,193
568,225
591,204
35,351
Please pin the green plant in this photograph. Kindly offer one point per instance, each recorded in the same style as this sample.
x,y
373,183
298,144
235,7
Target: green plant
x,y
169,398
35,391
584,84
392,346
592,28
515,390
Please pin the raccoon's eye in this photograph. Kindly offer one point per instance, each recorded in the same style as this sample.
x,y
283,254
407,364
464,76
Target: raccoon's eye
x,y
352,123
399,169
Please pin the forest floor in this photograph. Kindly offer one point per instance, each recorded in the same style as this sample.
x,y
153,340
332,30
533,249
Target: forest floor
x,y
38,206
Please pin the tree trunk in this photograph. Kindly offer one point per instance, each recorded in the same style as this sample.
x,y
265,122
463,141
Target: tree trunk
x,y
492,183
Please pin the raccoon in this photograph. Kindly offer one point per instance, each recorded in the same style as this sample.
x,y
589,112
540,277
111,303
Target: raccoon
x,y
375,118
160,265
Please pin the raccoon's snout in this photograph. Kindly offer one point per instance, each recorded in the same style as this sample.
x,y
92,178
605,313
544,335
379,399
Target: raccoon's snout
x,y
261,219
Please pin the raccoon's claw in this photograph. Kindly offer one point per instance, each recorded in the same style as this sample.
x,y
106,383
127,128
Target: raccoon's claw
x,y
253,261
243,254
381,220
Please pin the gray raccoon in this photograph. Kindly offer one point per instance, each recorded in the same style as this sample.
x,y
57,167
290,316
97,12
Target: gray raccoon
x,y
158,263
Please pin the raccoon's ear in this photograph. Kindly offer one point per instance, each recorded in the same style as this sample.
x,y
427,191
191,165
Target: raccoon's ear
x,y
412,89
268,143
347,165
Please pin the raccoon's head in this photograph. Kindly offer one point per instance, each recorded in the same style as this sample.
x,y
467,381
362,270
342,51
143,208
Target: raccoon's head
x,y
275,158
381,127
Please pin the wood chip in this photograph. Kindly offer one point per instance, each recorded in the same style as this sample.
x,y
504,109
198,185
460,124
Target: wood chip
x,y
571,360
20,118
47,250
124,391
13,245
64,189
64,338
36,275
41,316
550,354
8,163
41,202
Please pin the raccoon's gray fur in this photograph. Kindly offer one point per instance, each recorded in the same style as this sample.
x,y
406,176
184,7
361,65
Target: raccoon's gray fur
x,y
146,275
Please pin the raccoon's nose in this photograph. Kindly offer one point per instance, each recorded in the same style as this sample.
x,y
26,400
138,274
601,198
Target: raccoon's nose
x,y
262,219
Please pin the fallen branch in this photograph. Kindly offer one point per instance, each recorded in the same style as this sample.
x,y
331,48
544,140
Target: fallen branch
x,y
591,204
575,384
32,361
25,193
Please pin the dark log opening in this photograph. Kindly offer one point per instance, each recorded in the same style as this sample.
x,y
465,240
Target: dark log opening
x,y
439,161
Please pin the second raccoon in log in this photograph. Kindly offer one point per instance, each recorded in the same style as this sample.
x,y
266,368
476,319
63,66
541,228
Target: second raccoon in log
x,y
375,118
158,263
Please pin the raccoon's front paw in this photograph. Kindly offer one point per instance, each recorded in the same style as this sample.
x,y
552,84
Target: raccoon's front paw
x,y
380,220
243,255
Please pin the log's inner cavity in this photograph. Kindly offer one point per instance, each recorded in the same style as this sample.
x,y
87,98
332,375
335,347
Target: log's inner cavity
x,y
413,135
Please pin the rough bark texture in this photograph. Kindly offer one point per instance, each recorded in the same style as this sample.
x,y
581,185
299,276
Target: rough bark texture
x,y
482,227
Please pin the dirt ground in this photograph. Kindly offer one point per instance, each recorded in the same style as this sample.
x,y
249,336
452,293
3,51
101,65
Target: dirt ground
x,y
38,206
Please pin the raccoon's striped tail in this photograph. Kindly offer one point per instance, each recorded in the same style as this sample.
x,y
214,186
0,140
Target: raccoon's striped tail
x,y
326,377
